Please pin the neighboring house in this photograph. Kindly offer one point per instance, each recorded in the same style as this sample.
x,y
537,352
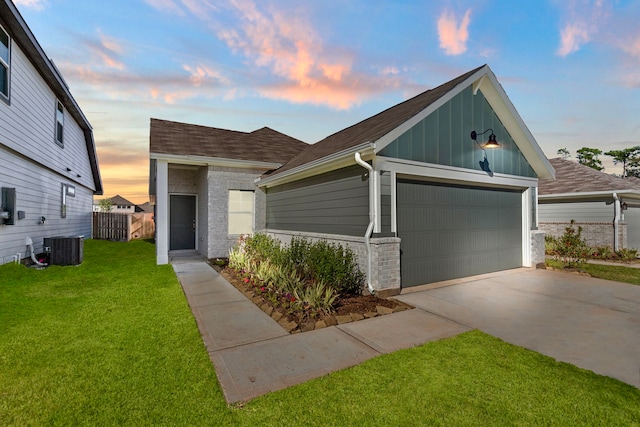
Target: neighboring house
x,y
607,207
119,205
408,189
48,164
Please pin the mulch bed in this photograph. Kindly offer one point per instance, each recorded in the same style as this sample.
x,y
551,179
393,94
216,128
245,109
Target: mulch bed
x,y
347,309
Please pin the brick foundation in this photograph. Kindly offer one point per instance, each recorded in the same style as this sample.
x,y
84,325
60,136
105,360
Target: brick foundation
x,y
385,253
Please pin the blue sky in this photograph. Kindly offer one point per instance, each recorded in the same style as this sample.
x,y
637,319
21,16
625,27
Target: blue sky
x,y
311,68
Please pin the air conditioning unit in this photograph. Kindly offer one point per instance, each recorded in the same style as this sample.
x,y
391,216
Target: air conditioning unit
x,y
64,250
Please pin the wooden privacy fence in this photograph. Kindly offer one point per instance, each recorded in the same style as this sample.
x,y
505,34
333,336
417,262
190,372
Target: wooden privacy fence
x,y
122,227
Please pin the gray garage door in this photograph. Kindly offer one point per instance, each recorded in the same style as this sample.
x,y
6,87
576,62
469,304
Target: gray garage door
x,y
450,232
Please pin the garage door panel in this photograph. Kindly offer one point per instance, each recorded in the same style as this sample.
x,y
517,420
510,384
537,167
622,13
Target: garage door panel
x,y
449,232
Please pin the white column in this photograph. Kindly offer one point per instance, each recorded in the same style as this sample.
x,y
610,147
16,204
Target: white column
x,y
162,212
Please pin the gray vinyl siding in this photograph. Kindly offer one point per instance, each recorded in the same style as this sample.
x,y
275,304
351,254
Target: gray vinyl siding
x,y
33,164
581,212
385,203
335,203
38,194
443,137
27,125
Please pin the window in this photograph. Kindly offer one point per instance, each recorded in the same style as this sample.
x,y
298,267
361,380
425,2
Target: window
x,y
67,190
240,212
60,124
4,63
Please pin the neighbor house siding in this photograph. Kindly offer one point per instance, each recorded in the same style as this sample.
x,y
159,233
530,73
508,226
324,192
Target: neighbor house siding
x,y
334,203
27,125
39,194
580,212
443,137
36,166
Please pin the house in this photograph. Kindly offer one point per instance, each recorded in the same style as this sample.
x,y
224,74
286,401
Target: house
x,y
607,207
411,190
48,165
118,205
202,184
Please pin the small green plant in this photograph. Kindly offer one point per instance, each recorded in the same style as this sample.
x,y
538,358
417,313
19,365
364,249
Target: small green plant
x,y
603,252
571,249
316,297
550,244
627,255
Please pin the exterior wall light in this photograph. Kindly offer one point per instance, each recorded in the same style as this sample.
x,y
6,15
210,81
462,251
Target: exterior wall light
x,y
491,143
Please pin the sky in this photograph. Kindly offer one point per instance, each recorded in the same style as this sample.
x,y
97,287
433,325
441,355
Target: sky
x,y
311,68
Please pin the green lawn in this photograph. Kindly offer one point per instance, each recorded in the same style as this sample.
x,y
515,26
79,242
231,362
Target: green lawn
x,y
113,342
617,273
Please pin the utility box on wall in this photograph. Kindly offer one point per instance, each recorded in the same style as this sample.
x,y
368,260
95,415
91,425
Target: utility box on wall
x,y
64,250
8,206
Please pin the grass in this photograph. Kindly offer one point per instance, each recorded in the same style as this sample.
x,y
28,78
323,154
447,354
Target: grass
x,y
113,342
617,273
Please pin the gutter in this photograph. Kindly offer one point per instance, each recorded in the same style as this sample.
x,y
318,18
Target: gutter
x,y
330,162
372,216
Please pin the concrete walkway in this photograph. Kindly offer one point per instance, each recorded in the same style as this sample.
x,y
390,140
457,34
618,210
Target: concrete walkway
x,y
254,355
591,323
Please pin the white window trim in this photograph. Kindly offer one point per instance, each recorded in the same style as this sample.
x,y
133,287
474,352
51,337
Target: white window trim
x,y
229,212
59,109
3,96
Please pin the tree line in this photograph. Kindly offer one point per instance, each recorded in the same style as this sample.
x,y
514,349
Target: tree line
x,y
629,158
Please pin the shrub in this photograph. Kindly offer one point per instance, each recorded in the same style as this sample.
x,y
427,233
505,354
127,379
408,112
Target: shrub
x,y
603,252
332,263
571,249
627,254
550,244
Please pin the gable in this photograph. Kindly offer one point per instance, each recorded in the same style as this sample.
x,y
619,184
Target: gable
x,y
443,137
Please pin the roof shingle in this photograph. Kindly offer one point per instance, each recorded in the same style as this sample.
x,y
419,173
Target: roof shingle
x,y
373,128
572,177
262,145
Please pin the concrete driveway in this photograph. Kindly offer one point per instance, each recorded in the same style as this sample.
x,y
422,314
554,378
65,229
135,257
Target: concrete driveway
x,y
590,323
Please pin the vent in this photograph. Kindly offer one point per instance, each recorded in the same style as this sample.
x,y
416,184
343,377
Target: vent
x,y
64,250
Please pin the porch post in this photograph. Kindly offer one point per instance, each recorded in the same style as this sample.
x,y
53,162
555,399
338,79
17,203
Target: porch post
x,y
162,212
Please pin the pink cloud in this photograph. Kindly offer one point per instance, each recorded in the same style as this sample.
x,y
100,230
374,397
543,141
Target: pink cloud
x,y
572,37
453,37
583,23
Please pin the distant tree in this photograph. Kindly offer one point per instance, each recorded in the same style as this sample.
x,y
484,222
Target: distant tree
x,y
105,205
589,157
630,159
564,153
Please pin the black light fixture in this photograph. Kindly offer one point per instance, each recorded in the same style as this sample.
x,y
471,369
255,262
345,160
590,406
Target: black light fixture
x,y
491,142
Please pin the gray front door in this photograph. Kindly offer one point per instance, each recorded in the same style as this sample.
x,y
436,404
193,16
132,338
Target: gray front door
x,y
182,222
450,231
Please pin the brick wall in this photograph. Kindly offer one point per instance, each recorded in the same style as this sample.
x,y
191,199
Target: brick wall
x,y
385,252
220,180
537,247
596,234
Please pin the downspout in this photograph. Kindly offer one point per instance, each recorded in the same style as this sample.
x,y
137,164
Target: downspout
x,y
616,222
367,236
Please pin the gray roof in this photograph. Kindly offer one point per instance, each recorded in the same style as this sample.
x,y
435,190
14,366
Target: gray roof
x,y
572,177
262,145
373,128
18,29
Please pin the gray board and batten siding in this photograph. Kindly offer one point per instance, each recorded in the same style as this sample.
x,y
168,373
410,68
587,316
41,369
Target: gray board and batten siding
x,y
443,137
450,231
336,202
